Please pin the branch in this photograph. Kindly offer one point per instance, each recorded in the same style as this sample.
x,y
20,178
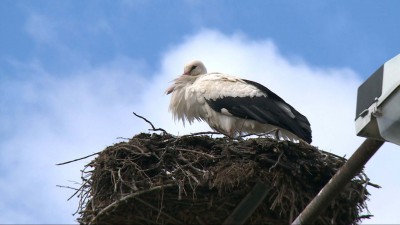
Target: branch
x,y
128,197
61,186
59,164
201,133
152,126
277,161
197,152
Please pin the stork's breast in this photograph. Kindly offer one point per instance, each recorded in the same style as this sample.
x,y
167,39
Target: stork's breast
x,y
200,96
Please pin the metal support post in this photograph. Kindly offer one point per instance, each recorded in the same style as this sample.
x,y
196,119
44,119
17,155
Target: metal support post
x,y
350,169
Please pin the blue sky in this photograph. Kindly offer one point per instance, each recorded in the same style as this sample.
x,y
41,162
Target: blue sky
x,y
360,34
72,72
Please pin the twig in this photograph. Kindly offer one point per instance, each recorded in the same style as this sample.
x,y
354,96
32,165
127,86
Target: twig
x,y
59,164
126,198
374,185
264,134
200,133
151,124
273,162
200,221
77,190
161,206
197,152
61,186
123,138
174,220
249,134
277,161
365,216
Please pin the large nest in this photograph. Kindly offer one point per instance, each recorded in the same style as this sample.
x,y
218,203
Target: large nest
x,y
198,179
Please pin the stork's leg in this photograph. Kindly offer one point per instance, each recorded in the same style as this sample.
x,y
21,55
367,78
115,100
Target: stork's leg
x,y
225,150
275,133
277,136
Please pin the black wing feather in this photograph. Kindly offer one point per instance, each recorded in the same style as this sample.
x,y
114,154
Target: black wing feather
x,y
265,110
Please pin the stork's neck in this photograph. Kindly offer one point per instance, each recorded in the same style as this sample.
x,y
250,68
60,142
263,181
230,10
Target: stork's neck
x,y
185,80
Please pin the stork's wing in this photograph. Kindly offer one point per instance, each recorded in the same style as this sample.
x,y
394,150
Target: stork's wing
x,y
270,109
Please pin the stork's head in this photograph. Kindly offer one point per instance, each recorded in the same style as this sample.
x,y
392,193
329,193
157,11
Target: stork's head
x,y
191,70
194,68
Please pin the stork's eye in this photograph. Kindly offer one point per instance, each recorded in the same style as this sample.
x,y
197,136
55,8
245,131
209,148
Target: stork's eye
x,y
192,68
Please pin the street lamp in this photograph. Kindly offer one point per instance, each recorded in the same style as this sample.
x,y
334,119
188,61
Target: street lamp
x,y
378,104
378,119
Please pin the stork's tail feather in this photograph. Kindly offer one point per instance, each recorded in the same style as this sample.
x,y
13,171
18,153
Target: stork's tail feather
x,y
304,131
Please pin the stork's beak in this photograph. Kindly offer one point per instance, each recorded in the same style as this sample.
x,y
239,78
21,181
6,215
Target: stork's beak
x,y
169,90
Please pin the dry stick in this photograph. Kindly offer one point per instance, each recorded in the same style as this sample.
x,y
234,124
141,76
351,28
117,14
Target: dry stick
x,y
59,164
374,185
151,124
133,195
277,161
160,129
200,221
82,201
197,152
79,189
161,207
366,179
273,162
159,211
61,186
200,133
258,134
250,134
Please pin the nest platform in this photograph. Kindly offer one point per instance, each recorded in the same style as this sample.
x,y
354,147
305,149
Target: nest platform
x,y
197,179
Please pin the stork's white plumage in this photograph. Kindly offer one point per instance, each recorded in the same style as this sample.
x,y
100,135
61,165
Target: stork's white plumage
x,y
233,106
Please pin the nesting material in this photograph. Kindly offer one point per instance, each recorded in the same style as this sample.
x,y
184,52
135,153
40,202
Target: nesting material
x,y
198,179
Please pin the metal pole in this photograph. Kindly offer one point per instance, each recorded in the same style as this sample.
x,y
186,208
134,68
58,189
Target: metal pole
x,y
350,169
249,203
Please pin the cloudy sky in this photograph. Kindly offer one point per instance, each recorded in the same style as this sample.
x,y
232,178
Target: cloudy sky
x,y
72,73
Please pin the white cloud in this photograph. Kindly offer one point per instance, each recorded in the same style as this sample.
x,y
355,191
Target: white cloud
x,y
61,118
69,117
41,29
326,96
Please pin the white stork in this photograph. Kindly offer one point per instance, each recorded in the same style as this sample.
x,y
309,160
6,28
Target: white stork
x,y
233,106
